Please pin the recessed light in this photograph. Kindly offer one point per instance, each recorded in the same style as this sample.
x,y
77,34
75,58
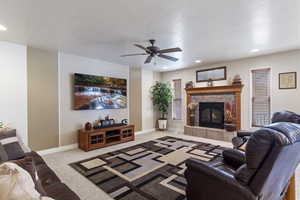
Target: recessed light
x,y
198,61
254,50
2,28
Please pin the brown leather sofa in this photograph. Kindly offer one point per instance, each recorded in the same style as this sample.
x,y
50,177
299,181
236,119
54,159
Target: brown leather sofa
x,y
46,181
262,172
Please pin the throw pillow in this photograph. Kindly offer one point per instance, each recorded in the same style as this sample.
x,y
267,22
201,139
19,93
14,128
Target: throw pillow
x,y
11,145
3,155
28,164
16,183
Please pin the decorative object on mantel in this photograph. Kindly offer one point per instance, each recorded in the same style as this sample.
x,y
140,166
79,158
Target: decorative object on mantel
x,y
210,83
192,107
228,120
189,85
288,80
162,98
228,113
237,80
214,74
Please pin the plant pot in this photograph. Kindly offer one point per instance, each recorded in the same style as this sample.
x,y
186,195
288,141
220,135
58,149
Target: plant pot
x,y
162,124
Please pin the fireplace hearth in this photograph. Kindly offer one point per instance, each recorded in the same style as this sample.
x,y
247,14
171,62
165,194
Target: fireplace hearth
x,y
211,114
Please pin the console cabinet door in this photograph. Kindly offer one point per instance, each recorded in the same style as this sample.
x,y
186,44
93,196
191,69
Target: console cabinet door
x,y
127,134
96,140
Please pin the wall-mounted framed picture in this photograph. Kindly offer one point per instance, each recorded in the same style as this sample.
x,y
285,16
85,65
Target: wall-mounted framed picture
x,y
213,74
288,80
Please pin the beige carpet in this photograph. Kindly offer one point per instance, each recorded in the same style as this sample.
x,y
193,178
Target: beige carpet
x,y
87,190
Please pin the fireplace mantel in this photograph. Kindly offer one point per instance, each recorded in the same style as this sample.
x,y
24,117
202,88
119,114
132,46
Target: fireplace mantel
x,y
215,89
226,89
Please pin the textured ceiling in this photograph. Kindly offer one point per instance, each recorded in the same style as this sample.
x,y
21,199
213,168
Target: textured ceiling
x,y
211,31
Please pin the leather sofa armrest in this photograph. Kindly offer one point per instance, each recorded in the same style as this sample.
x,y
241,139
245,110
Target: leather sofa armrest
x,y
244,133
203,180
234,158
201,167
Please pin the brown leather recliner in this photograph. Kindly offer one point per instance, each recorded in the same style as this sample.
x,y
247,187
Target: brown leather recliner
x,y
262,172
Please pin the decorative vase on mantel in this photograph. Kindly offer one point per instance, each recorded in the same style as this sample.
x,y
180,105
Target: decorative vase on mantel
x,y
237,80
210,83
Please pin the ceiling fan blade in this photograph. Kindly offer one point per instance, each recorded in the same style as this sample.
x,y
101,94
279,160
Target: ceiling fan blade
x,y
168,57
141,47
172,50
135,54
148,60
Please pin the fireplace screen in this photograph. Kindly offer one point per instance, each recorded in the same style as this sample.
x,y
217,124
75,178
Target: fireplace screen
x,y
211,115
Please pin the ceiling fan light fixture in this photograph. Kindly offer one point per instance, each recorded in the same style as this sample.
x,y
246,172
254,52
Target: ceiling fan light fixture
x,y
154,52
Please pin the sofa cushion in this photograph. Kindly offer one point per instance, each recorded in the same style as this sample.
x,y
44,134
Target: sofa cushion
x,y
60,191
11,145
38,160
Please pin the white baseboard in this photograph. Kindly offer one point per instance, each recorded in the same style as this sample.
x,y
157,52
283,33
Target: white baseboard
x,y
75,146
145,131
58,149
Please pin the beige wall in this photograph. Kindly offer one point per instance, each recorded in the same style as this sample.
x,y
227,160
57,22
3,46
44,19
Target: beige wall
x,y
71,120
135,95
43,122
280,99
142,113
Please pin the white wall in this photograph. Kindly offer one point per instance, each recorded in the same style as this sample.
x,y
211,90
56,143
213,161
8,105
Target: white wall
x,y
280,99
13,87
71,120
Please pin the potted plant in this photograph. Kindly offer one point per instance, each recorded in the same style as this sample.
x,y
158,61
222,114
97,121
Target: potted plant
x,y
162,98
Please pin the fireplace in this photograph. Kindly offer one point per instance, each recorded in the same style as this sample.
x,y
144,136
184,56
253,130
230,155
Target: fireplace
x,y
211,114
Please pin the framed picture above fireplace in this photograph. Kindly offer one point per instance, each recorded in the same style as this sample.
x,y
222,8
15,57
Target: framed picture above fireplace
x,y
212,74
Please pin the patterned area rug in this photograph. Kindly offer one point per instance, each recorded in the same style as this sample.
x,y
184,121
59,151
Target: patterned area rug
x,y
149,171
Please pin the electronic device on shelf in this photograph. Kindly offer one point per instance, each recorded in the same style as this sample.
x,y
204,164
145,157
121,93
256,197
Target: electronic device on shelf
x,y
124,121
108,125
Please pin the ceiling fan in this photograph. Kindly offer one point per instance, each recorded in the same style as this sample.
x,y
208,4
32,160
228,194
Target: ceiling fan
x,y
153,51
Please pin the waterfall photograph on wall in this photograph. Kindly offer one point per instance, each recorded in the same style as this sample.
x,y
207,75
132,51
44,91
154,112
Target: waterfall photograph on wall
x,y
98,92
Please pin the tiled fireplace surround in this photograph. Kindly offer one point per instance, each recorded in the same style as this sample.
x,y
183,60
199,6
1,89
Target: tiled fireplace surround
x,y
213,94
